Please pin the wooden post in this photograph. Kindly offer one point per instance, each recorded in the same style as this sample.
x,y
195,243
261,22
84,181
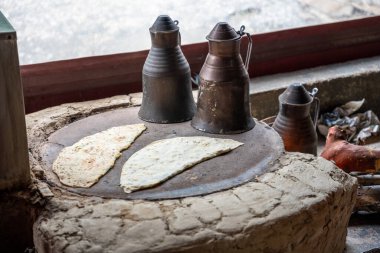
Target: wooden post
x,y
14,161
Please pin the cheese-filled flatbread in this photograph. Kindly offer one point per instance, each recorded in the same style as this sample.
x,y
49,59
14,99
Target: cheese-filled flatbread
x,y
163,159
85,162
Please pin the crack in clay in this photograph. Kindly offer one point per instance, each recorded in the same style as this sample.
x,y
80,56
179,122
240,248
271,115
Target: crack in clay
x,y
292,178
309,196
234,194
55,143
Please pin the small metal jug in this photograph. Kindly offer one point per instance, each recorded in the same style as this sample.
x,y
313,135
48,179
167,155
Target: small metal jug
x,y
294,123
167,94
223,98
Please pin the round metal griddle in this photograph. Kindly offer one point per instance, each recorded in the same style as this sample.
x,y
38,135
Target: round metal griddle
x,y
262,145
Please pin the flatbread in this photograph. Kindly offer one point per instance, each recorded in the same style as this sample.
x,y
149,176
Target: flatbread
x,y
85,162
163,159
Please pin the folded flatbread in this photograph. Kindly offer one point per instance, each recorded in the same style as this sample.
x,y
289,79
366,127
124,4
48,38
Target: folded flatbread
x,y
163,159
85,162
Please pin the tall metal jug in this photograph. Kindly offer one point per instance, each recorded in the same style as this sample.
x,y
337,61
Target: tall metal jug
x,y
294,123
223,98
167,94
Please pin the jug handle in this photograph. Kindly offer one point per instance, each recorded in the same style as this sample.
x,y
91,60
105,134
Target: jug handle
x,y
316,112
176,22
195,79
249,49
317,105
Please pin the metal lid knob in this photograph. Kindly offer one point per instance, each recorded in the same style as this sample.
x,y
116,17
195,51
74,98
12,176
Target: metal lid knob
x,y
296,94
164,23
223,31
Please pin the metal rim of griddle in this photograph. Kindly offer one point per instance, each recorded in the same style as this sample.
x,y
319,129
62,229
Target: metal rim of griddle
x,y
262,146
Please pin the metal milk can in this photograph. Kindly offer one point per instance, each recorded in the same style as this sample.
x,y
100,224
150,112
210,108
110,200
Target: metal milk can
x,y
223,98
167,94
294,123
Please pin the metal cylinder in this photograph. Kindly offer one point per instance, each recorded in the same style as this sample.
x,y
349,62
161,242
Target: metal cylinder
x,y
167,94
294,123
223,99
14,159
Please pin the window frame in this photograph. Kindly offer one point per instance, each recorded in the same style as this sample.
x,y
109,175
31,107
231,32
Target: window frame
x,y
53,83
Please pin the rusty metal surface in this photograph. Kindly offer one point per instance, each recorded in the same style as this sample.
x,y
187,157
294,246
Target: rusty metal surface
x,y
368,199
294,123
262,145
223,99
368,179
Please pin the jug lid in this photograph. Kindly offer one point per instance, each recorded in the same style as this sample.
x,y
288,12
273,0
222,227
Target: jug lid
x,y
222,31
164,23
296,94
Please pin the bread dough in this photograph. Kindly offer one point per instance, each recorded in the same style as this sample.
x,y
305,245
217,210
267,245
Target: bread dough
x,y
85,162
166,158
